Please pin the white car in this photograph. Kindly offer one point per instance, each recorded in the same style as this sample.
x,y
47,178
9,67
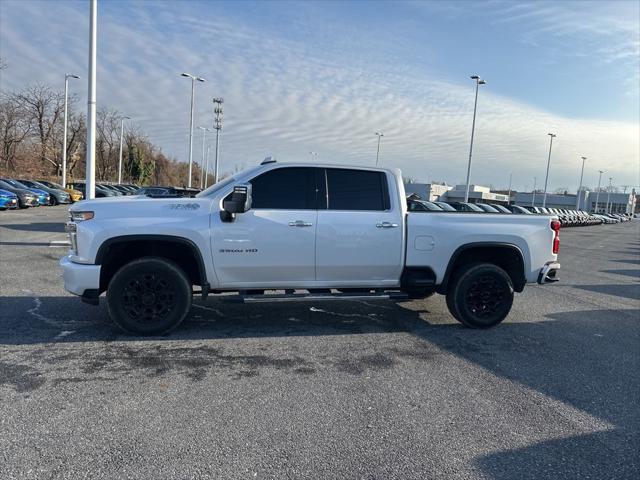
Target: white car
x,y
318,232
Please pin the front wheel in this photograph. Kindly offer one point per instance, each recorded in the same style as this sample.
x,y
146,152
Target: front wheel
x,y
480,296
149,296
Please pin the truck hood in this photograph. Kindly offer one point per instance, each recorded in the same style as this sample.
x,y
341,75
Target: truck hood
x,y
141,206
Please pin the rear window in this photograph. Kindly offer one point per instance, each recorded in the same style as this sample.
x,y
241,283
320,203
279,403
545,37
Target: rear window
x,y
357,190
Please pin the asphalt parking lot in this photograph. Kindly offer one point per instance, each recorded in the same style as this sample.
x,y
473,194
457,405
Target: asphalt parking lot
x,y
333,390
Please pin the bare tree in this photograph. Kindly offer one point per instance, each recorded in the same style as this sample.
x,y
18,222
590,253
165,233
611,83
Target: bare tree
x,y
14,128
44,107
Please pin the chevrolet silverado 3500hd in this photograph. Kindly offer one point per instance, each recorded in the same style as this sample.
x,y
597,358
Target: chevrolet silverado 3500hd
x,y
332,231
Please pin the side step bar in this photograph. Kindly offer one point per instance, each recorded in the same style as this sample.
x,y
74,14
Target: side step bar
x,y
312,297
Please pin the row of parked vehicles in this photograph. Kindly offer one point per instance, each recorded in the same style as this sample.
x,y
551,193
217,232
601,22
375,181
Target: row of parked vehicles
x,y
19,193
568,218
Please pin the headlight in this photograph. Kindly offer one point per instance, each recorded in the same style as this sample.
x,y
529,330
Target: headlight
x,y
80,216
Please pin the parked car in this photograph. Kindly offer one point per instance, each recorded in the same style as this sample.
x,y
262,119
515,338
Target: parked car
x,y
518,209
26,198
74,195
8,200
110,188
418,205
43,196
56,196
268,228
466,207
158,191
100,192
500,208
487,208
445,206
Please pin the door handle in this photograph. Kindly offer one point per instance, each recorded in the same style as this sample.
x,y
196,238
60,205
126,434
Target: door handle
x,y
300,223
386,225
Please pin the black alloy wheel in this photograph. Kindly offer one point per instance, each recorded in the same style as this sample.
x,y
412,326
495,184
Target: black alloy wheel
x,y
480,296
149,296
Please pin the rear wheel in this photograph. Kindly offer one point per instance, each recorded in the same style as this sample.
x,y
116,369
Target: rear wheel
x,y
149,296
53,200
480,296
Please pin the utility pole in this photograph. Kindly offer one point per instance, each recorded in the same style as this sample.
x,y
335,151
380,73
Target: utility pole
x,y
546,178
580,185
193,78
67,76
90,172
533,197
598,191
217,125
204,167
379,135
121,137
479,82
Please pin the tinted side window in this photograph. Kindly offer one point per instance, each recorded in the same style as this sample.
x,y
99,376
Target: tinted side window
x,y
357,190
285,189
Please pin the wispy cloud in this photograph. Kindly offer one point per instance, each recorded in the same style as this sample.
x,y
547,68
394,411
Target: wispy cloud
x,y
288,95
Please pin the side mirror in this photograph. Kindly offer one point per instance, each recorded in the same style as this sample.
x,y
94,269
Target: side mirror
x,y
239,201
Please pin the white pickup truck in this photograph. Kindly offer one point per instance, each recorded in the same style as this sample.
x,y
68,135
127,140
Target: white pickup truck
x,y
316,232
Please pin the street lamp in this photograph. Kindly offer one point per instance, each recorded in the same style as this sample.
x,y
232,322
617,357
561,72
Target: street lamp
x,y
509,196
122,119
608,196
580,186
204,165
379,135
546,178
217,125
598,191
90,159
67,76
193,82
314,156
479,82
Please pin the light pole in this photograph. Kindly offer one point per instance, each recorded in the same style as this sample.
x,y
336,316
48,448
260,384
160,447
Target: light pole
x,y
479,82
546,178
193,83
314,156
580,186
67,76
609,196
379,135
598,191
122,119
509,196
533,197
90,167
205,165
217,124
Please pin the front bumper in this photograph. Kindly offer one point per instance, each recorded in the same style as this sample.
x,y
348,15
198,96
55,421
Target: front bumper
x,y
549,273
79,278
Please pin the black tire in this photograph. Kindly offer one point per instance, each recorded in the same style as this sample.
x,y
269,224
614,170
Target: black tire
x,y
53,200
480,296
149,296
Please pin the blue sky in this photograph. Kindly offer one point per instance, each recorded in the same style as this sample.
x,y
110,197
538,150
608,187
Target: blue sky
x,y
324,76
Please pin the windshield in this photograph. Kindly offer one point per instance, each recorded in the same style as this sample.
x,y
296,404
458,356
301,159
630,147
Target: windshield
x,y
445,206
15,183
473,207
488,208
223,183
